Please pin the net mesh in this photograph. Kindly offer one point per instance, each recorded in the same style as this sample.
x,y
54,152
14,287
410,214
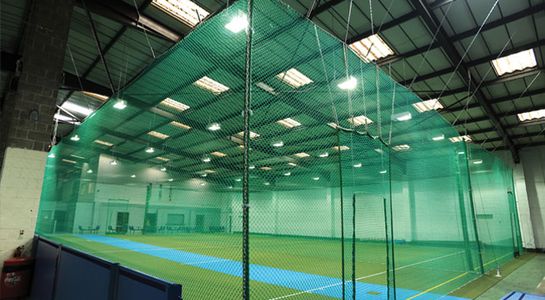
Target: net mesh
x,y
353,191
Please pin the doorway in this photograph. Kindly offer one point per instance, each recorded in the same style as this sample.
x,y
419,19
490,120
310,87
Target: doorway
x,y
122,222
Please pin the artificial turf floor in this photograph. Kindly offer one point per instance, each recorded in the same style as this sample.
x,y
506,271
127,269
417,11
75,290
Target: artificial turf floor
x,y
429,271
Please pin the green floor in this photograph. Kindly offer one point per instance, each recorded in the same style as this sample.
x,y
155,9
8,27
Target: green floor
x,y
425,268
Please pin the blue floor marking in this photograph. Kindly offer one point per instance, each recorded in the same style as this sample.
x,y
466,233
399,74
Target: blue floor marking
x,y
521,295
315,284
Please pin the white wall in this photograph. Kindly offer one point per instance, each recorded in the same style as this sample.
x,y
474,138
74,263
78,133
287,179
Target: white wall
x,y
533,164
20,187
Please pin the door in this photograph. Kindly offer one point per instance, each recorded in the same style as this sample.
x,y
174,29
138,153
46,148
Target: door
x,y
122,223
150,225
199,223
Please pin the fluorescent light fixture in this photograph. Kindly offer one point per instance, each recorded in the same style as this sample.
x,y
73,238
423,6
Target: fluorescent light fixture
x,y
213,126
185,11
267,183
478,162
358,165
69,161
218,154
401,117
158,135
251,167
253,135
238,180
180,125
163,169
120,104
266,168
349,84
267,88
206,159
209,84
294,78
302,155
341,148
288,123
51,155
360,120
315,178
383,171
287,174
176,105
113,162
371,48
378,150
170,179
90,171
150,150
162,158
75,138
202,183
456,139
230,187
133,176
96,96
77,156
531,115
461,153
427,105
238,23
104,143
402,147
292,164
277,144
72,107
438,138
325,154
204,175
515,62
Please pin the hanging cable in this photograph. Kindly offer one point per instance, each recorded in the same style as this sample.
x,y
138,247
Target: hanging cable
x,y
143,29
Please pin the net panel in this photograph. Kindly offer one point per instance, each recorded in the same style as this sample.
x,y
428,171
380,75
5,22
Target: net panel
x,y
353,191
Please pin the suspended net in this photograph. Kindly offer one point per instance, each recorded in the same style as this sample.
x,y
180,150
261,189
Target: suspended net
x,y
355,188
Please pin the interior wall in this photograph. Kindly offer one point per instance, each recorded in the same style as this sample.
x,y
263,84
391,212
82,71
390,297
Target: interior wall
x,y
533,165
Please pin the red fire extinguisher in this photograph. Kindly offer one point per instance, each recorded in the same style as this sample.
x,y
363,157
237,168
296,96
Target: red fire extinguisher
x,y
16,276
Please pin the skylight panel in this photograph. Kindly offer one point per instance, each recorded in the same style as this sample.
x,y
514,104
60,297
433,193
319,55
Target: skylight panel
x,y
371,48
427,105
341,148
72,107
288,123
457,139
218,154
180,125
162,158
360,120
515,62
294,78
266,168
104,143
253,135
209,84
402,147
185,11
531,115
302,155
171,103
158,135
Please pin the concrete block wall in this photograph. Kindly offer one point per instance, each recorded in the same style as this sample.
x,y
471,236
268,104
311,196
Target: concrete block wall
x,y
20,188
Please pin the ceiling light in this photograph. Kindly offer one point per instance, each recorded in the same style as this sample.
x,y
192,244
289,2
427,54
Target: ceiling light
x,y
104,143
202,183
292,164
133,176
180,125
360,120
209,171
51,155
342,148
185,11
72,107
171,103
158,135
349,84
358,165
478,161
287,174
251,167
77,156
371,48
402,147
266,168
404,116
378,150
68,161
120,104
238,23
230,187
253,135
266,183
209,84
294,78
113,162
163,169
96,96
267,88
288,123
214,126
204,175
325,154
456,139
75,138
206,159
171,179
531,115
438,138
150,150
90,171
218,154
162,158
383,171
302,155
461,153
238,180
315,178
515,62
427,105
278,144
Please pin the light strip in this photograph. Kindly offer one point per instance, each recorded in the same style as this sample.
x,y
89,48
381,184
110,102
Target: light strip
x,y
294,78
104,143
288,123
171,103
180,125
218,154
211,85
158,135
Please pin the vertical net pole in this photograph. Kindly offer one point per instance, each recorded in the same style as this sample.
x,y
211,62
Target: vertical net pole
x,y
392,223
463,215
146,208
517,221
472,207
245,176
353,246
342,215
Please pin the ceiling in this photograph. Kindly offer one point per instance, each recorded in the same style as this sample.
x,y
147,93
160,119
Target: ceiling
x,y
443,49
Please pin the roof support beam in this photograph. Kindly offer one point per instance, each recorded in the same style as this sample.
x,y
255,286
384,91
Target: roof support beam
x,y
432,23
395,22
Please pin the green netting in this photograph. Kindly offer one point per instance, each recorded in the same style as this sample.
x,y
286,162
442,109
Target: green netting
x,y
338,205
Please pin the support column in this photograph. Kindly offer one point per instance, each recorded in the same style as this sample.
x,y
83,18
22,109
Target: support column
x,y
26,120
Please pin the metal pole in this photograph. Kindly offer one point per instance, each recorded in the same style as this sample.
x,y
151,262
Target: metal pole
x,y
342,217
